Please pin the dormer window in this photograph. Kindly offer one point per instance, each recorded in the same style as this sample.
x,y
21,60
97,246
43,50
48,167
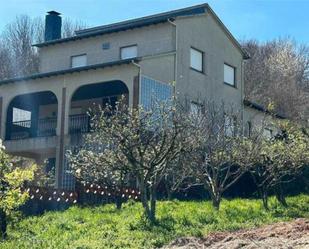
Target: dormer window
x,y
79,60
128,52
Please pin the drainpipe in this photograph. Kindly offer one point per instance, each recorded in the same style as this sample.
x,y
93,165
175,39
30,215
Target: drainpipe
x,y
138,65
176,54
242,96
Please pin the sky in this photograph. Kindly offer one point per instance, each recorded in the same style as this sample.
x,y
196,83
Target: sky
x,y
246,19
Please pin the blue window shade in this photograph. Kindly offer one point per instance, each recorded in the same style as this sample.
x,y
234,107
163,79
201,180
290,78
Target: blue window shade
x,y
153,92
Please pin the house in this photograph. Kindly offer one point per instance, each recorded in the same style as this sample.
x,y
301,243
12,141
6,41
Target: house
x,y
189,51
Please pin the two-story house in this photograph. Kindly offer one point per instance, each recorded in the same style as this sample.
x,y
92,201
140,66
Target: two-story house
x,y
188,51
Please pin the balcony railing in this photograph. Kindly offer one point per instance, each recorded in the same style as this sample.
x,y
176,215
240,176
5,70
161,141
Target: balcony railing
x,y
24,129
79,124
47,127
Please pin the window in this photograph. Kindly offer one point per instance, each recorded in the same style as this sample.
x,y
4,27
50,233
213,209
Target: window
x,y
128,52
106,46
229,126
248,129
21,117
268,133
195,109
79,61
229,75
196,59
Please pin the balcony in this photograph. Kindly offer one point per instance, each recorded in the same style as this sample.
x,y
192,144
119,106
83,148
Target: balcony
x,y
79,124
47,127
25,129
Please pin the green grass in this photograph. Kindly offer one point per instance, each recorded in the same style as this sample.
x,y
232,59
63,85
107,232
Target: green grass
x,y
105,227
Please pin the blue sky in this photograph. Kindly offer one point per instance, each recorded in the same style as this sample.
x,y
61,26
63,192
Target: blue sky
x,y
260,19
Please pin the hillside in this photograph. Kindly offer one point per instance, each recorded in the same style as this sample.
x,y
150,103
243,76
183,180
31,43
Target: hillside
x,y
106,227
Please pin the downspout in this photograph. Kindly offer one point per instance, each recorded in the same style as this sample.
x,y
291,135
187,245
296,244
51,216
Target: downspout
x,y
176,54
242,96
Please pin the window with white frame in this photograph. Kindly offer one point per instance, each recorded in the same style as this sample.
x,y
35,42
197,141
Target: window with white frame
x,y
229,126
268,133
196,59
79,60
248,129
229,74
128,52
195,109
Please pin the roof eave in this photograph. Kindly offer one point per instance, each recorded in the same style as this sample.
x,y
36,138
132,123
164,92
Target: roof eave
x,y
70,71
260,108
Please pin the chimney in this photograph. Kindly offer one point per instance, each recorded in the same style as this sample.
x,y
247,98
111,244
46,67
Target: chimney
x,y
52,26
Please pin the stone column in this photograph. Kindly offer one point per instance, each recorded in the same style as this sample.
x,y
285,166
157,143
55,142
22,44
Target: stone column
x,y
60,150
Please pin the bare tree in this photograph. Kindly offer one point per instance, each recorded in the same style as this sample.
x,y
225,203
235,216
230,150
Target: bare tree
x,y
5,62
278,72
280,159
19,36
221,155
69,27
136,141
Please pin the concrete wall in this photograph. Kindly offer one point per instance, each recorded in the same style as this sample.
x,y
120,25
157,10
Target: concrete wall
x,y
161,67
259,120
48,111
83,106
154,39
204,33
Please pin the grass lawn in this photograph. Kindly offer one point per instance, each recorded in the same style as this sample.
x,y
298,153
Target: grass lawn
x,y
105,227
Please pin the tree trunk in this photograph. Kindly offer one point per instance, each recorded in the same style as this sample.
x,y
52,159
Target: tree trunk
x,y
3,224
280,196
265,199
216,200
118,202
168,191
153,203
144,199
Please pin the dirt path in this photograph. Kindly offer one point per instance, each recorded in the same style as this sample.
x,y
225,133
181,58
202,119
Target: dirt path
x,y
283,235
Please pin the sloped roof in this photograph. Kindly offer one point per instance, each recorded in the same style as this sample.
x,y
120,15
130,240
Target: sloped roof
x,y
129,24
262,109
68,71
141,22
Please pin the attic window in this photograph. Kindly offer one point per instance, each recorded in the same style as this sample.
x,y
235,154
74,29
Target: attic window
x,y
106,46
79,60
128,52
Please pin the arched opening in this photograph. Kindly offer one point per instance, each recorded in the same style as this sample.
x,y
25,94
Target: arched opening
x,y
32,115
90,97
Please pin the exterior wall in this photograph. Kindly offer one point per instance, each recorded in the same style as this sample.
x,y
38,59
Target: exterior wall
x,y
48,111
84,105
154,39
204,33
161,67
258,119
